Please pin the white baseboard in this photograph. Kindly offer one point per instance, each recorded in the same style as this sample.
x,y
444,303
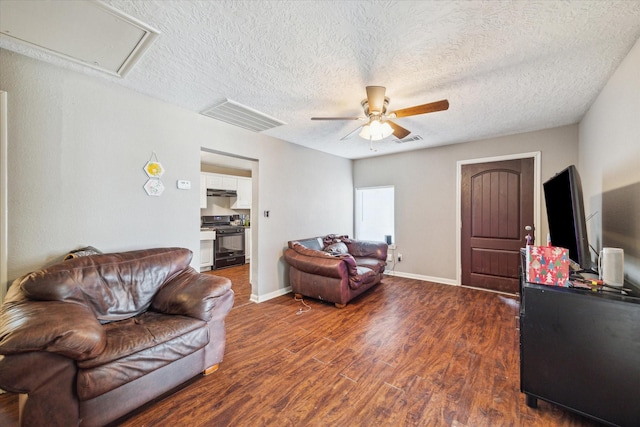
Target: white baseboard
x,y
270,295
440,280
423,278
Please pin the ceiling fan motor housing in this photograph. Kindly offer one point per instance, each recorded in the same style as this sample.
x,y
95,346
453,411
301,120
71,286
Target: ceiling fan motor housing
x,y
365,107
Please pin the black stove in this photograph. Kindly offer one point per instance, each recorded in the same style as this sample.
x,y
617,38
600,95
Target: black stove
x,y
229,243
220,223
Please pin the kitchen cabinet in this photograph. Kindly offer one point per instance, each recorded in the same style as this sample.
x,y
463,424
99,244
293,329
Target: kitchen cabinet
x,y
203,191
207,239
243,201
220,182
213,180
229,183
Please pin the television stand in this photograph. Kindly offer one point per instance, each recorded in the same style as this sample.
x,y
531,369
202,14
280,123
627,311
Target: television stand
x,y
581,350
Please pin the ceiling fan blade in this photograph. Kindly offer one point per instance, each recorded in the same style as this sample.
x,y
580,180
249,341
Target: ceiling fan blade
x,y
398,131
336,118
350,134
423,109
375,97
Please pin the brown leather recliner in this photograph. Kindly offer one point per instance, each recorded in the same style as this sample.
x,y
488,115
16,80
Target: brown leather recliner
x,y
334,268
90,339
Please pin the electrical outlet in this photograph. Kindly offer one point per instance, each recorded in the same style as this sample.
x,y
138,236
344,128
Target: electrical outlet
x,y
399,257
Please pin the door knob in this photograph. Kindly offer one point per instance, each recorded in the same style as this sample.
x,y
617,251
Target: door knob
x,y
529,237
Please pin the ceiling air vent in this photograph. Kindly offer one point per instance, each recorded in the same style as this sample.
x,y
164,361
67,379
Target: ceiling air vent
x,y
410,139
239,115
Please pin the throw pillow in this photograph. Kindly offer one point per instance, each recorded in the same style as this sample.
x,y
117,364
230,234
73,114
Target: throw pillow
x,y
337,249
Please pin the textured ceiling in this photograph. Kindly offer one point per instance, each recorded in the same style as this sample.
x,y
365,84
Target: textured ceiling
x,y
505,66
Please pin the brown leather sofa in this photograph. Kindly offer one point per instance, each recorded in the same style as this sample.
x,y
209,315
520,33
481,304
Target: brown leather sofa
x,y
334,268
90,339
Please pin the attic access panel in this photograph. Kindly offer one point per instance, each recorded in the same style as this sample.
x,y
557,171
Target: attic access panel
x,y
87,32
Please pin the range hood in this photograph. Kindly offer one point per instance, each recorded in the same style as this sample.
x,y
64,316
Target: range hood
x,y
212,192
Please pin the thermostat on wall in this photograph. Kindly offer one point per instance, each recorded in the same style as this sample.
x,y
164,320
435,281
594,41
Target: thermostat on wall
x,y
184,184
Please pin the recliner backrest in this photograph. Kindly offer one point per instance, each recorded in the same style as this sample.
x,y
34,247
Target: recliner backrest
x,y
116,286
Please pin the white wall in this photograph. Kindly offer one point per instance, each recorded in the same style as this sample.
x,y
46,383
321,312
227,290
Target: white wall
x,y
77,146
425,189
609,163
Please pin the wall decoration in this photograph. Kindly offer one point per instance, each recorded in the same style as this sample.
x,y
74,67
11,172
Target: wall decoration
x,y
154,170
154,187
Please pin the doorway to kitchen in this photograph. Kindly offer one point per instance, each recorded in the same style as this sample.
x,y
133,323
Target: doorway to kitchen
x,y
229,197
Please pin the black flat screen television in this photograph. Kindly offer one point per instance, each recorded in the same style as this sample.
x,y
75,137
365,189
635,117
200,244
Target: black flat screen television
x,y
565,214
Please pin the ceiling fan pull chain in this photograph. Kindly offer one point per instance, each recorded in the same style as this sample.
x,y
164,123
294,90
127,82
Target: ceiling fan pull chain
x,y
371,144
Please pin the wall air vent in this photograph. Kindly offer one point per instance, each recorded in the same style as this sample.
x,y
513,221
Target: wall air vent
x,y
239,115
410,139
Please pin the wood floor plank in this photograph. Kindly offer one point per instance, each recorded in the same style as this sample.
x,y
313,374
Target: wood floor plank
x,y
406,353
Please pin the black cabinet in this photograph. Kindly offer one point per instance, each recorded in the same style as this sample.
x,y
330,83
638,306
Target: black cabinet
x,y
581,350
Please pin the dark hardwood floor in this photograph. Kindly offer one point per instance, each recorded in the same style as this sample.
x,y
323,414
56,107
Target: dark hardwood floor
x,y
239,277
406,353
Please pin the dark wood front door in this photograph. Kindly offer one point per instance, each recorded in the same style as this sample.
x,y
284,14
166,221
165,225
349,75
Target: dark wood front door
x,y
497,205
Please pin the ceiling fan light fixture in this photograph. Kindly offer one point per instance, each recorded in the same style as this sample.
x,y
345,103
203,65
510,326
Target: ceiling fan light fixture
x,y
379,120
376,130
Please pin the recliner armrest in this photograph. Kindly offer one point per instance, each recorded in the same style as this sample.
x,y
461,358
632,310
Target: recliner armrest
x,y
66,328
49,380
191,294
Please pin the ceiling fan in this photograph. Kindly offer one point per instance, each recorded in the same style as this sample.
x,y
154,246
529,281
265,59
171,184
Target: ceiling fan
x,y
378,121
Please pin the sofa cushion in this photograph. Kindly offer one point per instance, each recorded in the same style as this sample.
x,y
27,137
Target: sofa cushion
x,y
374,264
368,249
363,277
137,346
115,286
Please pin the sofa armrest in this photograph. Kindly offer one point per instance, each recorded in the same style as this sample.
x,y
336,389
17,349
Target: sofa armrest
x,y
318,262
66,328
191,294
369,249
